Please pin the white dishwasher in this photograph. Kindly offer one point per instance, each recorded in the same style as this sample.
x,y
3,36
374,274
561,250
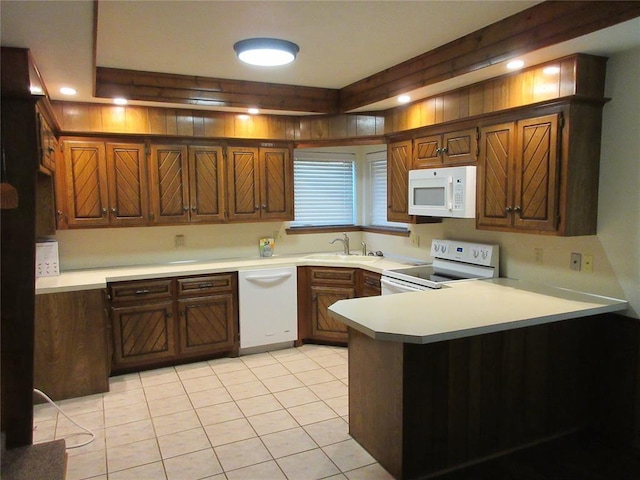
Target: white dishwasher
x,y
268,309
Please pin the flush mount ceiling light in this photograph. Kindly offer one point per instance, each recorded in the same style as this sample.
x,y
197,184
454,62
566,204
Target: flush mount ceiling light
x,y
515,64
266,52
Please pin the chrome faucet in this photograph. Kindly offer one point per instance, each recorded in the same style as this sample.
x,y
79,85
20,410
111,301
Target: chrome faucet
x,y
345,243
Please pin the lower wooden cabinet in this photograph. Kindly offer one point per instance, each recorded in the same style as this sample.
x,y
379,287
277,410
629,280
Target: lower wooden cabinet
x,y
321,287
166,321
71,348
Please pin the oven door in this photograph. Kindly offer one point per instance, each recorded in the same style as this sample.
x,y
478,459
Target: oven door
x,y
391,286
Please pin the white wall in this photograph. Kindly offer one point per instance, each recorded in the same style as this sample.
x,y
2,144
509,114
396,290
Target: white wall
x,y
616,247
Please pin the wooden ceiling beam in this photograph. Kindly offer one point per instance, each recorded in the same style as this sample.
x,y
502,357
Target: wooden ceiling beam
x,y
540,26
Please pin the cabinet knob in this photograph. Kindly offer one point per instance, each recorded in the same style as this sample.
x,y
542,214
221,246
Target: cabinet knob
x,y
256,208
508,209
194,208
104,210
444,150
264,207
114,210
438,151
517,208
185,209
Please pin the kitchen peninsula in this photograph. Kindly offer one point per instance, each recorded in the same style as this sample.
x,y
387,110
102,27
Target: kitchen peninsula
x,y
442,378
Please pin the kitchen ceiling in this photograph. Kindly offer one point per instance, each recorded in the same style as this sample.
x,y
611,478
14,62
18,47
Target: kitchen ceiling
x,y
340,42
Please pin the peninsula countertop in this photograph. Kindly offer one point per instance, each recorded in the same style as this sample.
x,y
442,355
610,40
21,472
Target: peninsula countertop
x,y
468,308
97,278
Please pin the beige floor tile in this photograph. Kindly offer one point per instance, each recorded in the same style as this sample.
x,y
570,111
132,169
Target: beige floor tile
x,y
199,384
44,412
206,398
370,472
150,471
91,421
315,351
132,455
328,432
270,371
242,454
73,442
331,389
271,422
296,396
340,371
303,365
288,442
260,404
253,388
193,370
129,433
187,441
258,360
288,355
124,398
340,405
313,377
278,384
193,466
237,377
218,413
81,405
263,471
131,413
330,360
158,377
348,455
226,365
310,465
229,432
86,466
176,422
312,413
123,383
164,390
169,405
44,430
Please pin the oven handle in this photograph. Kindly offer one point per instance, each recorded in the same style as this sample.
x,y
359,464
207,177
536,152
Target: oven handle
x,y
390,286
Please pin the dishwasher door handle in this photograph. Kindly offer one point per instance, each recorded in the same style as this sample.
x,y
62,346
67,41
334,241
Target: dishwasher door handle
x,y
268,278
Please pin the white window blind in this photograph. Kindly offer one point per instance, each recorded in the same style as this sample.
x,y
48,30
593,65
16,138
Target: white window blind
x,y
378,190
324,185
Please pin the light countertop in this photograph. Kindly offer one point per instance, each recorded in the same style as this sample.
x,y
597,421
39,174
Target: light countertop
x,y
91,279
468,308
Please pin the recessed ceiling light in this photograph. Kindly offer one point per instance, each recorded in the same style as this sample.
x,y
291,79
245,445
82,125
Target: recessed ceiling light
x,y
515,64
68,91
243,117
253,111
553,70
404,99
120,101
266,52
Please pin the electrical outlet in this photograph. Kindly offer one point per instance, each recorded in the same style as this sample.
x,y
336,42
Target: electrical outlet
x,y
415,239
276,234
587,263
537,255
576,261
179,240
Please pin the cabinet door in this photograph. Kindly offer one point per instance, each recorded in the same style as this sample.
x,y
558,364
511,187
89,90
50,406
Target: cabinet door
x,y
276,184
86,175
207,324
243,183
370,284
168,184
426,151
399,158
460,147
536,176
128,191
323,327
495,188
206,184
143,334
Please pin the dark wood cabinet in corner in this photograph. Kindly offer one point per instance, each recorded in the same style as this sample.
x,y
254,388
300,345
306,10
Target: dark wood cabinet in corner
x,y
445,149
399,160
321,287
172,320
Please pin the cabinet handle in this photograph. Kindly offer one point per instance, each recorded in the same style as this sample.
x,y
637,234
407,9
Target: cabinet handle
x,y
104,210
169,315
205,285
185,209
59,213
444,150
438,151
194,208
144,291
114,210
517,208
508,209
264,207
256,208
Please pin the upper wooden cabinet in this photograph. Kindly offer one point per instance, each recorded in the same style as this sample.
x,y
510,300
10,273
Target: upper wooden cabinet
x,y
399,158
106,183
259,183
186,184
451,148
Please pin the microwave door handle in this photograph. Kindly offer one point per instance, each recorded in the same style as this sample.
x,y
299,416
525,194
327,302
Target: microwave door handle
x,y
450,193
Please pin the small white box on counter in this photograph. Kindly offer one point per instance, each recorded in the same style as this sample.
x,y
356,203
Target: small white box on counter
x,y
47,259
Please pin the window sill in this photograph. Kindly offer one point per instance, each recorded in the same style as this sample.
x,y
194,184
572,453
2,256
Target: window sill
x,y
401,232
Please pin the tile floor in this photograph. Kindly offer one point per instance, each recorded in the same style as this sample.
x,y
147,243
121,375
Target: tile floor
x,y
276,415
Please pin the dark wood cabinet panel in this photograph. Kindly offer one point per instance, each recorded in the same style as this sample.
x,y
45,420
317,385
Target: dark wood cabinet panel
x,y
169,184
369,285
276,184
451,148
243,185
206,184
323,327
399,159
141,290
207,324
128,190
71,354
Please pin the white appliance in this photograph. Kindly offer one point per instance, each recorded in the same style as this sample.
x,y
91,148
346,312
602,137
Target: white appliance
x,y
453,261
268,306
443,192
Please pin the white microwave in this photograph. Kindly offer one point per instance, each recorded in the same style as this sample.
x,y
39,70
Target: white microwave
x,y
443,192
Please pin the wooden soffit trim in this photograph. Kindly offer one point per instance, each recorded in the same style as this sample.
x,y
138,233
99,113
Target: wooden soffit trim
x,y
540,26
214,92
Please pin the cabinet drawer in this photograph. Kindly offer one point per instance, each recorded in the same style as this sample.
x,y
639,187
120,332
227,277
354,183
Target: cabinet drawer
x,y
333,276
205,285
370,284
141,290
